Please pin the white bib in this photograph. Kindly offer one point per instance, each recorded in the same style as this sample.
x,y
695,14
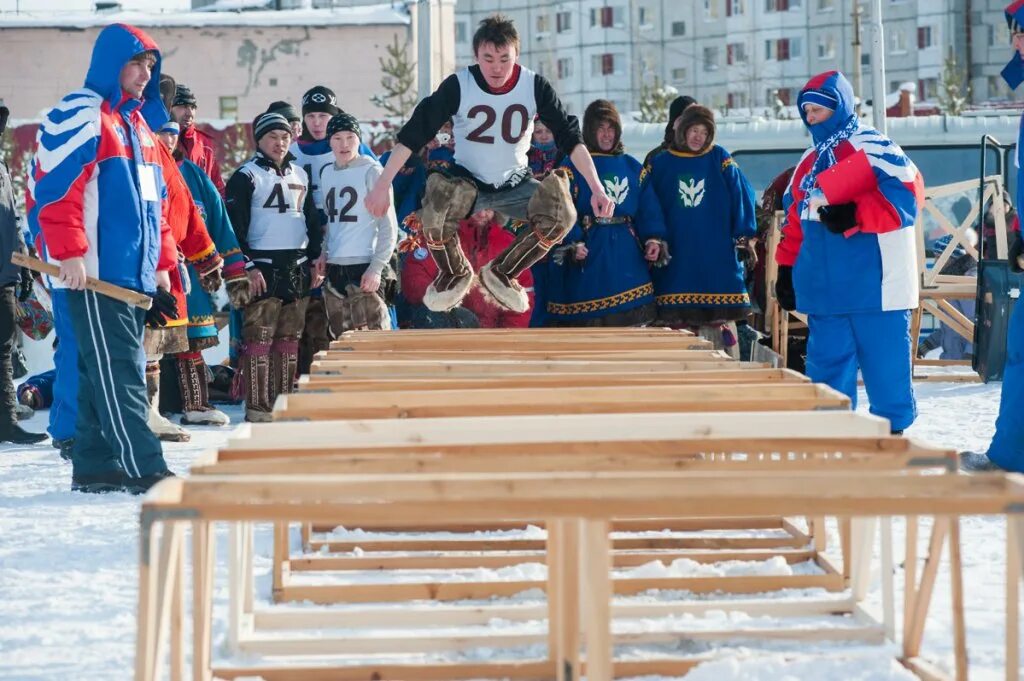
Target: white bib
x,y
276,220
493,132
351,229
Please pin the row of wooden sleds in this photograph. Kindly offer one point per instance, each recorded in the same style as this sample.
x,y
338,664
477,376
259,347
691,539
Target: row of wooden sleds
x,y
466,467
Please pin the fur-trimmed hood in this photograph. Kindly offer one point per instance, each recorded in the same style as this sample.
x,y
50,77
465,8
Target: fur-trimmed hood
x,y
695,114
597,111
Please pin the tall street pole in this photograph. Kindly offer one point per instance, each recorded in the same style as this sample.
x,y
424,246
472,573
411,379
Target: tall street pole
x,y
878,68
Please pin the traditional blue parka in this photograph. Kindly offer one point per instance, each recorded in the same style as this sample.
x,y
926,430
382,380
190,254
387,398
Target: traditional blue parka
x,y
612,285
708,204
855,277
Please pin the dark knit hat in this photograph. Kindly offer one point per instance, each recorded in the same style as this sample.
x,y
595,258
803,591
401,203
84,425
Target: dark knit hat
x,y
183,96
267,121
598,111
285,109
675,109
695,115
320,98
343,122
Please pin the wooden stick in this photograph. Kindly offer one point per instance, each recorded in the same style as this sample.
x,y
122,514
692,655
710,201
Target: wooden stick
x,y
1014,550
957,584
202,600
888,592
909,576
913,632
177,653
110,290
595,563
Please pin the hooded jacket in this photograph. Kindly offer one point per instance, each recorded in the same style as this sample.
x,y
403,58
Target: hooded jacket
x,y
198,148
872,267
96,187
11,240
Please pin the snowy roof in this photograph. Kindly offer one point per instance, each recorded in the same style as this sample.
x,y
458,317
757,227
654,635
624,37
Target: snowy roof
x,y
352,16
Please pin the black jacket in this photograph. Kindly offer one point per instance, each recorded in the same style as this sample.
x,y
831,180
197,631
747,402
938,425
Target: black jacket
x,y
11,238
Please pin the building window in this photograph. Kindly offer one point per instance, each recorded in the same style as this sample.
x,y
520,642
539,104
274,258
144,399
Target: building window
x,y
460,31
565,68
826,5
229,107
897,41
710,9
737,100
924,37
710,58
782,49
780,5
603,64
782,94
606,17
563,22
796,48
643,17
543,23
734,8
678,28
736,53
679,75
928,88
826,46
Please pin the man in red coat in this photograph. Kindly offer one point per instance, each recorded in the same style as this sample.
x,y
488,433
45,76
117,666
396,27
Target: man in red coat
x,y
197,145
482,239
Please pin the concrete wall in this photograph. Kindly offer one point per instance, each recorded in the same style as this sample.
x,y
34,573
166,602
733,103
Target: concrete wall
x,y
255,64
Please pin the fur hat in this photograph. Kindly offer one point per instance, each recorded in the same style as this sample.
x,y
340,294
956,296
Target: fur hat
x,y
167,89
343,122
694,115
320,99
675,110
598,111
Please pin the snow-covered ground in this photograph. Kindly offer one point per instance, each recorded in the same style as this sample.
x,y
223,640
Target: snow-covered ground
x,y
68,570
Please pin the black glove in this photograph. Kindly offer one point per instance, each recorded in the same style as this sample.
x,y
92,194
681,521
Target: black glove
x,y
1017,254
25,284
164,307
784,292
839,218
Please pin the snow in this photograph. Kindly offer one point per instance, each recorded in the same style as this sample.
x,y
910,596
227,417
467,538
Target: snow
x,y
68,572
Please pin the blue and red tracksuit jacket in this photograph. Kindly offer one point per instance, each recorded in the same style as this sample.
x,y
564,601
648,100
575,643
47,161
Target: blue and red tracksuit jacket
x,y
872,267
96,187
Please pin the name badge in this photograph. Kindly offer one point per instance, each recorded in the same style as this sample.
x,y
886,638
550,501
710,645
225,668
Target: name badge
x,y
147,183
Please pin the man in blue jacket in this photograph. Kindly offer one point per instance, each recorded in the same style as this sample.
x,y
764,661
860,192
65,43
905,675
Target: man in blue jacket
x,y
97,209
1007,448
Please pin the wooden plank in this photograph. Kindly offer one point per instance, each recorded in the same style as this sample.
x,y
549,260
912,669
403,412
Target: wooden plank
x,y
429,642
408,367
645,525
455,591
566,428
443,614
469,356
527,670
343,384
499,559
514,544
203,560
617,399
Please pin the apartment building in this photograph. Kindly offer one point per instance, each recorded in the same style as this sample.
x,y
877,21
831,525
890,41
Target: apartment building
x,y
744,53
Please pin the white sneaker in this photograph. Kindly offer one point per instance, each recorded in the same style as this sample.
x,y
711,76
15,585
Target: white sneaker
x,y
205,417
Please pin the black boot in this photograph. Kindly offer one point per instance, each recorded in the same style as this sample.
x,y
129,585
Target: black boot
x,y
100,483
975,462
16,435
65,446
142,485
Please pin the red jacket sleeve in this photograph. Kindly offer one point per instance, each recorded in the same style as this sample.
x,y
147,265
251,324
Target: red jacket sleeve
x,y
792,230
416,276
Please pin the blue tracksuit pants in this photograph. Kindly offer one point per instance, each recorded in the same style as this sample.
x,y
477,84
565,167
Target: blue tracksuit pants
x,y
112,431
64,411
1007,448
877,343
